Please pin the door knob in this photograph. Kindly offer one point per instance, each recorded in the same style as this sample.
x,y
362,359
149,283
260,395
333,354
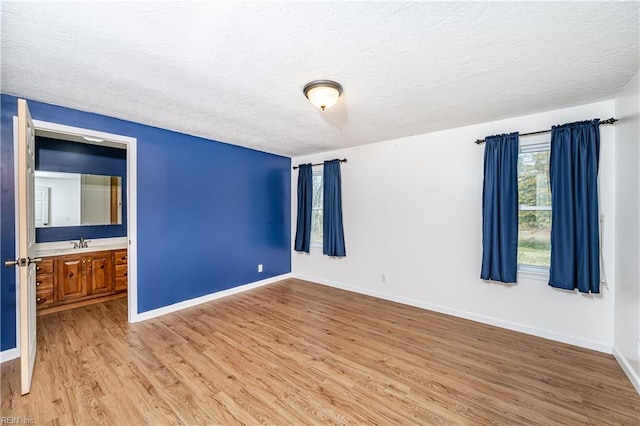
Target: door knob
x,y
22,262
18,262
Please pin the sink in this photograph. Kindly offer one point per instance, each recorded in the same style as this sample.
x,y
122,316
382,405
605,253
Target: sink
x,y
59,248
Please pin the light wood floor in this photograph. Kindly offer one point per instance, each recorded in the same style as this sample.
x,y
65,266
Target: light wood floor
x,y
300,353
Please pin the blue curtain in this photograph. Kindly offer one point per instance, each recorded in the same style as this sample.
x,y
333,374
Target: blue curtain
x,y
303,224
573,174
332,231
500,209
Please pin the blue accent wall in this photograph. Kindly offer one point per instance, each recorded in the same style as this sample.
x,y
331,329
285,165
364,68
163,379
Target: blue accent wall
x,y
55,155
208,212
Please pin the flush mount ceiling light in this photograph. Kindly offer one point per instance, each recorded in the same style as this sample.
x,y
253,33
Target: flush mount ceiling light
x,y
90,139
322,93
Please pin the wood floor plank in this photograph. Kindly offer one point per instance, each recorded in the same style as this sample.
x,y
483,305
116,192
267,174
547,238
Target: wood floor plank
x,y
295,353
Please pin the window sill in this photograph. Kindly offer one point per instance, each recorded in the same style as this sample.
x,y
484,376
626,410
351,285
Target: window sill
x,y
537,273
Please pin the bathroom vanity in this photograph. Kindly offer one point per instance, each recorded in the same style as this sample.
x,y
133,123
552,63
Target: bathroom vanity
x,y
70,277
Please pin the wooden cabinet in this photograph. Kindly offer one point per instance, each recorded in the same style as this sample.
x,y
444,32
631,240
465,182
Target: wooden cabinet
x,y
99,273
121,270
84,275
69,280
44,283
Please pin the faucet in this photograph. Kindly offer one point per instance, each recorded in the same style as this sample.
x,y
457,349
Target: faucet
x,y
82,243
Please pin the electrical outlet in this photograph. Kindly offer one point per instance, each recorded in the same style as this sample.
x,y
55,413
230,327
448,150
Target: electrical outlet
x,y
383,278
260,267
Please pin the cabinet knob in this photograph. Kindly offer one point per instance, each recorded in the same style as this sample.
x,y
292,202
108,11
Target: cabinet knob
x,y
38,283
37,268
89,260
41,300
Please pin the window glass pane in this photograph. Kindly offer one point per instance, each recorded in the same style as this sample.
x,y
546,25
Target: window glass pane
x,y
316,213
317,191
533,178
316,226
534,237
534,198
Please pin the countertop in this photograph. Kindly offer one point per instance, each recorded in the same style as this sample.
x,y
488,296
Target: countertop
x,y
60,248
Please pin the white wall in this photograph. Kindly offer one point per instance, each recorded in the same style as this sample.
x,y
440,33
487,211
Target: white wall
x,y
96,199
64,199
627,300
412,211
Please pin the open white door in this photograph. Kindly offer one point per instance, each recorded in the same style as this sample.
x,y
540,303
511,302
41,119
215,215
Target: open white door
x,y
26,245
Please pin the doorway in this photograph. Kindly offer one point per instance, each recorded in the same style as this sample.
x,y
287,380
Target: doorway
x,y
102,139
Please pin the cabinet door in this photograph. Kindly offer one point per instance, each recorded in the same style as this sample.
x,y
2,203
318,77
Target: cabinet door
x,y
100,273
71,283
44,290
45,293
120,262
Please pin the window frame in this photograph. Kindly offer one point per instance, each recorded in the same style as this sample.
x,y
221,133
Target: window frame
x,y
317,244
533,144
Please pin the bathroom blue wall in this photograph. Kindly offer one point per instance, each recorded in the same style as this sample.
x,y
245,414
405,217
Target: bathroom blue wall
x,y
208,212
55,155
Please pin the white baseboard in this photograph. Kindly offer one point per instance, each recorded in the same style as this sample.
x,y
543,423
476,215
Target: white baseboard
x,y
206,298
558,337
626,367
9,354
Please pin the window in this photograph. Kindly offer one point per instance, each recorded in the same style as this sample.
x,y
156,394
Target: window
x,y
316,210
534,199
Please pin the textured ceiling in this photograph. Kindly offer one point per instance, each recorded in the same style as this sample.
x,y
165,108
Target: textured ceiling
x,y
234,72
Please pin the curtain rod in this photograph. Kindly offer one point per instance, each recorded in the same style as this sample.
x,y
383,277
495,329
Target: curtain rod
x,y
540,132
344,160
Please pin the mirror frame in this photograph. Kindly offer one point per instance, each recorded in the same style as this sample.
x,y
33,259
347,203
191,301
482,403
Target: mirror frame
x,y
60,200
57,155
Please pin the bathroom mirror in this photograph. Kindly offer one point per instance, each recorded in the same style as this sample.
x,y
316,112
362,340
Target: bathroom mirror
x,y
72,199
